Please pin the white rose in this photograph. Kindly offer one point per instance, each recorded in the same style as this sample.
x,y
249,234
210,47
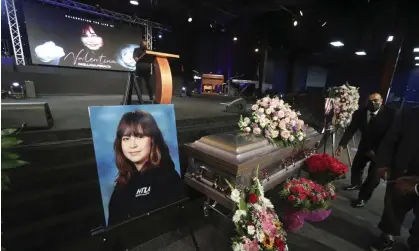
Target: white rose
x,y
268,111
261,110
291,138
251,230
247,129
275,118
287,120
280,114
285,134
235,195
274,134
238,215
246,120
255,107
293,115
300,138
257,131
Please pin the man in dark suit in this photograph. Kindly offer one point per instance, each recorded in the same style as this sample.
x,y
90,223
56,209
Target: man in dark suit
x,y
398,158
143,70
373,121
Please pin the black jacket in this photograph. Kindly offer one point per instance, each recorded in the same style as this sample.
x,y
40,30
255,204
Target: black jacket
x,y
371,133
145,191
399,150
140,66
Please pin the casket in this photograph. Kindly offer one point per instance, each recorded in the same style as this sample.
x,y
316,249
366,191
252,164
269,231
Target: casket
x,y
235,157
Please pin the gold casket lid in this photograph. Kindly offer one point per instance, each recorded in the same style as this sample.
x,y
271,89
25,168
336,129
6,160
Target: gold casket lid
x,y
236,148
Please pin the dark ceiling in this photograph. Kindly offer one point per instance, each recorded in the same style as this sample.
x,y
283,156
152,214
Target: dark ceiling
x,y
360,24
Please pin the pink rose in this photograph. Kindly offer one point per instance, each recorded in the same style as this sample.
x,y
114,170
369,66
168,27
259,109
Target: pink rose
x,y
247,129
250,245
282,125
280,114
285,134
287,120
257,131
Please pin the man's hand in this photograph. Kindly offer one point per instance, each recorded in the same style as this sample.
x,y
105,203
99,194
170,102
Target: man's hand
x,y
339,150
406,184
136,59
383,173
370,153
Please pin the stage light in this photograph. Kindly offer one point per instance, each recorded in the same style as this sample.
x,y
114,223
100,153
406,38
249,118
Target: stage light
x,y
256,50
390,38
361,53
324,24
295,23
301,13
190,19
337,43
416,50
416,58
160,35
234,38
417,64
15,84
133,2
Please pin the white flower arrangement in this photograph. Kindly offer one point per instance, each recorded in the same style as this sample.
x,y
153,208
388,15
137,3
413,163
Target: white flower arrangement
x,y
275,120
345,103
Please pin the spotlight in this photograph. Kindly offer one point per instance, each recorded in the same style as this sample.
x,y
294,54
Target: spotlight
x,y
15,84
324,24
234,38
301,13
17,91
416,58
256,50
417,64
416,49
133,2
361,53
160,35
190,19
390,38
295,23
337,44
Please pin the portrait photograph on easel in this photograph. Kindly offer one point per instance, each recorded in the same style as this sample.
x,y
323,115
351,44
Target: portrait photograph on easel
x,y
137,159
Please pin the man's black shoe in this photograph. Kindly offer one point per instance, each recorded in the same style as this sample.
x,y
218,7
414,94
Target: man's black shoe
x,y
382,244
359,203
352,188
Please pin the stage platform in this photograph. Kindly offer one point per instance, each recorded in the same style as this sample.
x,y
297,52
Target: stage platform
x,y
71,116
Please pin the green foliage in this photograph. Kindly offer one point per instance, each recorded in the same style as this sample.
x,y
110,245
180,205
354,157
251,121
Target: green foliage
x,y
9,160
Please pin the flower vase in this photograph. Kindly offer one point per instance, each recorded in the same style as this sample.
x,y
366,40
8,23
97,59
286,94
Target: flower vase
x,y
319,215
294,220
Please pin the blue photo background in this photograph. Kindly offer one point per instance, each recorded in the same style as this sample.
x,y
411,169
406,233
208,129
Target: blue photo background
x,y
104,122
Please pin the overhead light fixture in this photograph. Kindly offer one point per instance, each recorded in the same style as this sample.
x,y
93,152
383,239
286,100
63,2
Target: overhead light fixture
x,y
361,53
416,58
337,43
416,50
301,13
234,38
295,23
133,2
324,24
160,35
256,50
417,64
190,19
390,38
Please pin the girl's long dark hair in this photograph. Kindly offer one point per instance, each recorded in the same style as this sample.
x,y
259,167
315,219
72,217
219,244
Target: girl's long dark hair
x,y
140,123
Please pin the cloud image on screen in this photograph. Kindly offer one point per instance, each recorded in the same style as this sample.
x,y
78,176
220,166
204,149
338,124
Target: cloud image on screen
x,y
90,39
125,56
49,53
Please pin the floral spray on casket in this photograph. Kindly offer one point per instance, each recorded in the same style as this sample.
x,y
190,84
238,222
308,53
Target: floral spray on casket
x,y
275,120
257,224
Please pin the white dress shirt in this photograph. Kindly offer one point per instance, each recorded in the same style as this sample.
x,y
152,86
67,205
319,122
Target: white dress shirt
x,y
416,189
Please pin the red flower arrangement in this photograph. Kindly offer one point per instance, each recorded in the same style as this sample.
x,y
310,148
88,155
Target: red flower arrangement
x,y
324,169
307,195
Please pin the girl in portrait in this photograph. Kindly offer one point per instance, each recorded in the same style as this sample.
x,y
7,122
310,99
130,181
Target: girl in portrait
x,y
147,178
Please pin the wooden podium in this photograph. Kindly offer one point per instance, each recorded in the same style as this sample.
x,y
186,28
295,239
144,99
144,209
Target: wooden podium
x,y
163,92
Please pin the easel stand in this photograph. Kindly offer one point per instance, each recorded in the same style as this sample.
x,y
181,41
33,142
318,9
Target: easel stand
x,y
116,238
132,83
